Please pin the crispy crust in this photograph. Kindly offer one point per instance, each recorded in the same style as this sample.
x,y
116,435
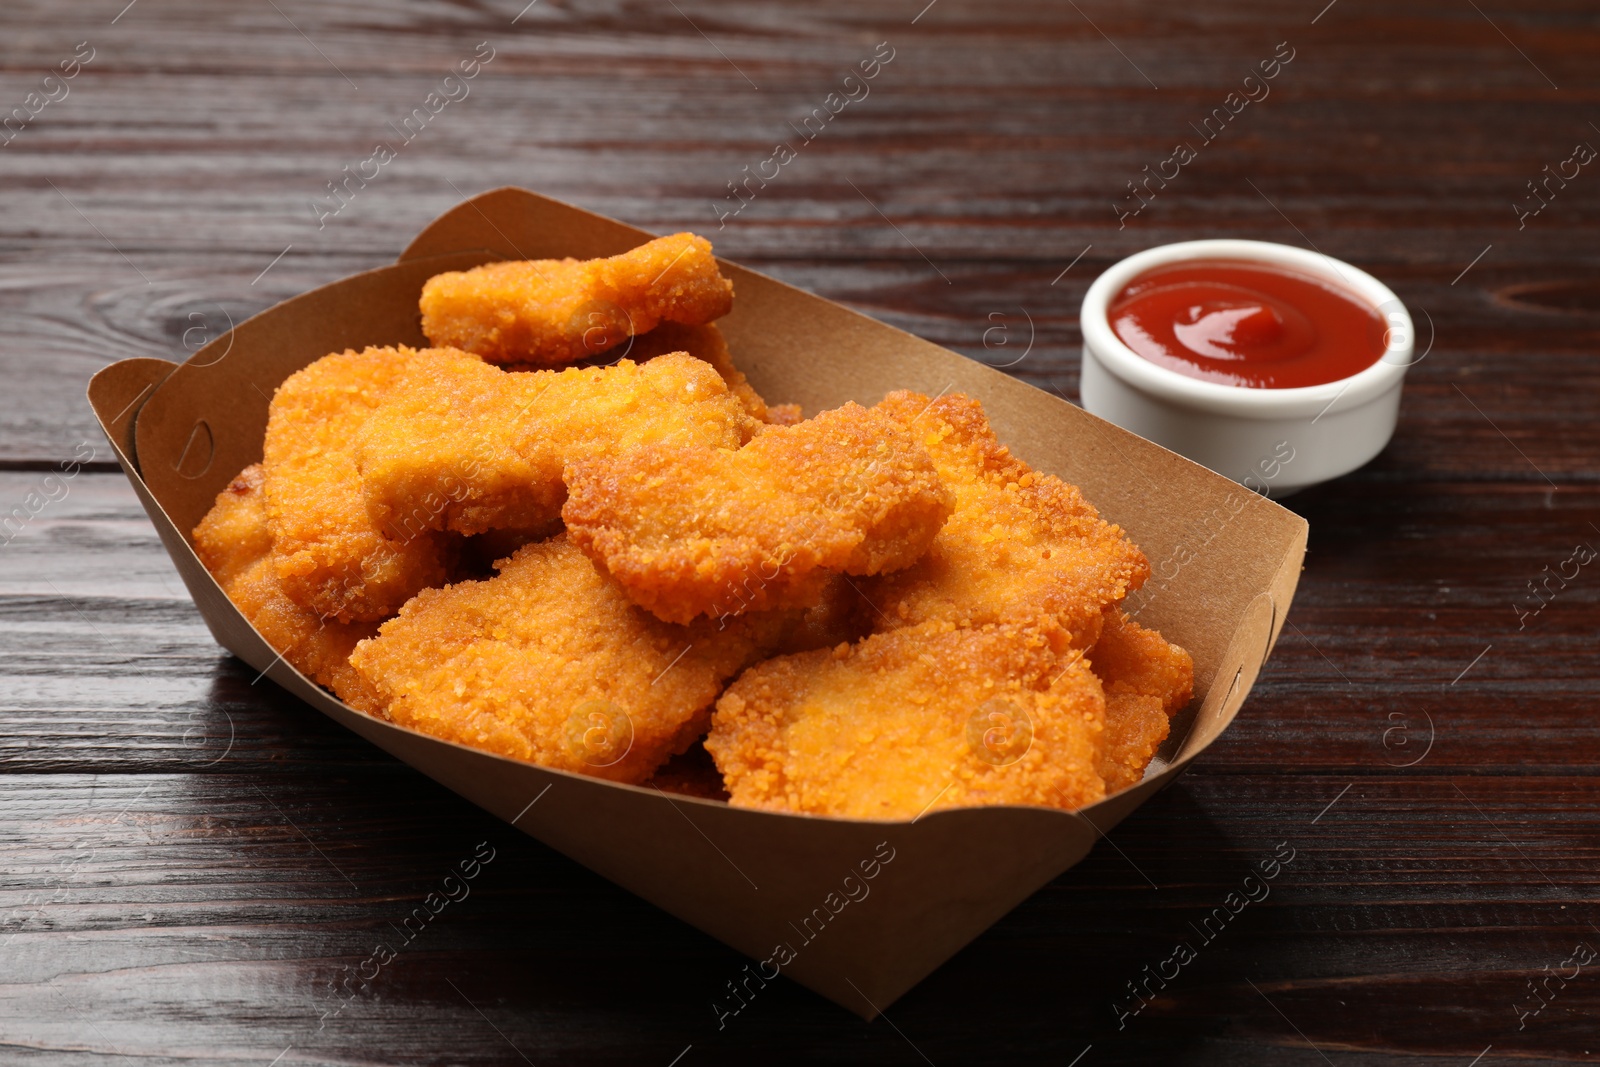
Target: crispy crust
x,y
549,662
694,531
234,543
556,311
703,343
1019,545
464,446
1146,680
331,556
912,720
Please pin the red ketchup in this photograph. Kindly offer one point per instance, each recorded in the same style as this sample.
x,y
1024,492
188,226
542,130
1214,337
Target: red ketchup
x,y
1247,324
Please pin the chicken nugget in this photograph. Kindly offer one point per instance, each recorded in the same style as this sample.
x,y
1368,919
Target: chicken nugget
x,y
704,343
234,543
911,720
234,535
550,662
332,556
463,446
555,311
691,530
1146,680
1019,544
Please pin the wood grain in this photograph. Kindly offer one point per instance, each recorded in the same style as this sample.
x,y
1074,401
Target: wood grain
x,y
194,862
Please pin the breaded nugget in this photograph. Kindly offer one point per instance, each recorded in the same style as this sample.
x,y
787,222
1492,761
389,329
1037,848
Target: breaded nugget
x,y
704,343
234,535
1018,545
1146,680
332,557
706,531
234,543
464,446
556,311
550,662
915,719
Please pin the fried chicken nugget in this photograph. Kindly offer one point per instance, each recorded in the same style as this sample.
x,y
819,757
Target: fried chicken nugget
x,y
555,311
693,530
332,557
550,662
914,719
1019,544
464,446
234,543
1146,680
703,343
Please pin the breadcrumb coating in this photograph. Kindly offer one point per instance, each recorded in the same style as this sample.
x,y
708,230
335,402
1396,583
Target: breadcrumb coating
x,y
1146,680
1019,544
913,720
550,662
467,447
234,543
704,343
331,555
556,311
234,535
694,531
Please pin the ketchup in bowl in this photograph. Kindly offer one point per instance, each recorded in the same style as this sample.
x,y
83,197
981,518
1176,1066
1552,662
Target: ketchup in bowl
x,y
1242,323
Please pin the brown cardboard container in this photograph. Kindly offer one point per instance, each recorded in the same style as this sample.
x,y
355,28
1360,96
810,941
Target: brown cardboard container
x,y
1226,562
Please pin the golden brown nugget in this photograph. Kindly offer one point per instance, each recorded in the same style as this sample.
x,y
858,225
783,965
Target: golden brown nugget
x,y
1019,544
234,535
235,545
332,557
556,311
706,531
1146,680
913,720
464,446
703,343
550,662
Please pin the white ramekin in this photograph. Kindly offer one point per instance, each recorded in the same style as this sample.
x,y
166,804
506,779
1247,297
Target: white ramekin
x,y
1275,441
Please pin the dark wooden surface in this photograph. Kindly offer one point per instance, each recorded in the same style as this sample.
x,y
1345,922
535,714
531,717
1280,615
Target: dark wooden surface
x,y
188,862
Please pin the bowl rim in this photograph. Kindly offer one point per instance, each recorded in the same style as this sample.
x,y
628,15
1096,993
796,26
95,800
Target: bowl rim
x,y
1100,341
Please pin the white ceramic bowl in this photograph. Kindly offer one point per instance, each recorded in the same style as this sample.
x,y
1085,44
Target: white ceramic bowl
x,y
1274,441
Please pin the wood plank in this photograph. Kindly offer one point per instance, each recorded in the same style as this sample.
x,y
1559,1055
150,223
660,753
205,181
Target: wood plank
x,y
128,893
193,862
646,123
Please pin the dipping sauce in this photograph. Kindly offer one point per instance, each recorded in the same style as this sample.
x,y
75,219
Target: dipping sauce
x,y
1247,324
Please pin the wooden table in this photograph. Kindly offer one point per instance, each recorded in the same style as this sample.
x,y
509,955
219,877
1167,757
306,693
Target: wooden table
x,y
191,861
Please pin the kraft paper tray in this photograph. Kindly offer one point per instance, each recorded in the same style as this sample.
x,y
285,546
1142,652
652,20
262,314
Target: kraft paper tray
x,y
1226,562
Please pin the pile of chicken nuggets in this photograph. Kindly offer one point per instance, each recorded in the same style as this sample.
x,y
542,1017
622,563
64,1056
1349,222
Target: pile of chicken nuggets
x,y
571,532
